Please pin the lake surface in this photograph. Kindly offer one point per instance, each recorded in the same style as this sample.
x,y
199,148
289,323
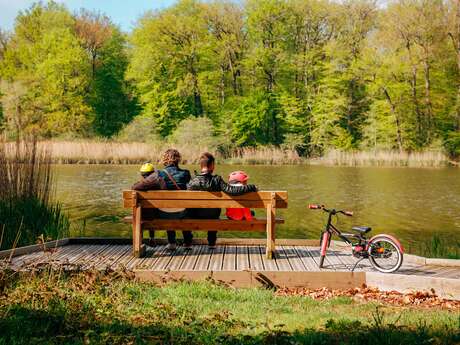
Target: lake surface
x,y
412,204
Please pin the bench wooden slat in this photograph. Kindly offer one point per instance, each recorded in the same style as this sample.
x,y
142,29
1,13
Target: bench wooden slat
x,y
201,195
194,199
205,224
203,203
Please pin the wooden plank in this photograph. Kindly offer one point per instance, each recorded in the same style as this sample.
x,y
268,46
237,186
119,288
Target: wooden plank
x,y
178,256
205,224
229,263
204,258
306,258
315,254
255,259
127,203
90,258
349,261
269,265
316,280
60,256
154,222
203,195
190,259
242,258
294,259
107,257
119,262
217,258
138,249
124,252
33,248
271,216
282,260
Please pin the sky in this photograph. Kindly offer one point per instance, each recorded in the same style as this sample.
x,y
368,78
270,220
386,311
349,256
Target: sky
x,y
122,12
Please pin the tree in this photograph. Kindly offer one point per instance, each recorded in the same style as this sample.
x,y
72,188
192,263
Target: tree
x,y
46,60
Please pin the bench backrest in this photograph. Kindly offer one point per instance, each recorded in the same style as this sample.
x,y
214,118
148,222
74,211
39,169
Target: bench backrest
x,y
199,199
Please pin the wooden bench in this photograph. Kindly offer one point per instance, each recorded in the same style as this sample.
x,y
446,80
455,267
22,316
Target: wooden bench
x,y
269,201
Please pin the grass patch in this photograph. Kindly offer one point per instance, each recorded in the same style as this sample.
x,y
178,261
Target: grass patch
x,y
438,247
103,309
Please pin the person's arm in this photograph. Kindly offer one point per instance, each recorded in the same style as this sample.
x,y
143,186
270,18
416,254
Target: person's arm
x,y
235,190
194,184
151,182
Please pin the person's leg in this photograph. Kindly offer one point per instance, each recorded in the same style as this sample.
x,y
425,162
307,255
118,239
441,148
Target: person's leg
x,y
171,236
152,238
188,238
212,235
212,238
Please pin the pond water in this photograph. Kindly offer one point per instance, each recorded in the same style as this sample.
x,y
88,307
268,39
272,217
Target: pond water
x,y
412,204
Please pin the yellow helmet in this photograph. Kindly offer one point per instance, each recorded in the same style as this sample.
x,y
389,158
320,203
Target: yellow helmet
x,y
147,168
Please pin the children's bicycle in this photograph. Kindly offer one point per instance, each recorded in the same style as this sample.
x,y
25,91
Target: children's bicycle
x,y
384,252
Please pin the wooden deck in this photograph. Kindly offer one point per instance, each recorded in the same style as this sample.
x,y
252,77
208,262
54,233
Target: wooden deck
x,y
288,258
236,262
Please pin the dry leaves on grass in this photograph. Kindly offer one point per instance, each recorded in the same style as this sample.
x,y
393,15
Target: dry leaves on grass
x,y
368,294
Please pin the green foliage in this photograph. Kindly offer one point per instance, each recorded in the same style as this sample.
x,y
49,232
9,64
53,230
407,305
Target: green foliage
x,y
258,121
314,75
452,144
110,97
104,308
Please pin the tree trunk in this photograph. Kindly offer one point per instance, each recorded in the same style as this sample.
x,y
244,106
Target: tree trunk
x,y
222,84
397,120
429,105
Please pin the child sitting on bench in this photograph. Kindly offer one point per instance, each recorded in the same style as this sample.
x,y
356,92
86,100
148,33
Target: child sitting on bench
x,y
239,178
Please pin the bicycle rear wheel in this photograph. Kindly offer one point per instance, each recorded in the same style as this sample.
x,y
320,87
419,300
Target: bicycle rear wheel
x,y
384,254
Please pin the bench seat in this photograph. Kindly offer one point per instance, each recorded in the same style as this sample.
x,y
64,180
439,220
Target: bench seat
x,y
222,224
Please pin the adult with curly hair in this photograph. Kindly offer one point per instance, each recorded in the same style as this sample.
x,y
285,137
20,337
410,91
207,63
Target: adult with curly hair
x,y
175,179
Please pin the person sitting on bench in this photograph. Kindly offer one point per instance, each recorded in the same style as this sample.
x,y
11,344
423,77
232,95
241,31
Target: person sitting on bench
x,y
176,179
206,181
150,180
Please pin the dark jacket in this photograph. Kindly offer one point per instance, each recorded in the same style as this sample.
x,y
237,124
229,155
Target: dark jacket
x,y
215,183
151,182
181,176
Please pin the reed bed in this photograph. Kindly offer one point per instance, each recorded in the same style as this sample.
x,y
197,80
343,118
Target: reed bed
x,y
111,152
385,158
264,155
27,212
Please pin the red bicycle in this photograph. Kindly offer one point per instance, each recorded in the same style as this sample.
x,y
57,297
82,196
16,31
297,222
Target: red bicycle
x,y
384,252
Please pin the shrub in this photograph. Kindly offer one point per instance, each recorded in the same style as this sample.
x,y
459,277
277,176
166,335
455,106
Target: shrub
x,y
140,129
195,131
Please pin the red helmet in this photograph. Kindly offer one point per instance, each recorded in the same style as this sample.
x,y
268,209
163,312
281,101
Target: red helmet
x,y
239,176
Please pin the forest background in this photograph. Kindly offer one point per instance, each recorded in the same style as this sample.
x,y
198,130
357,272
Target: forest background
x,y
303,75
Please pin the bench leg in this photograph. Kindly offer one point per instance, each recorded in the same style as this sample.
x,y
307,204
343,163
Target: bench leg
x,y
271,221
138,247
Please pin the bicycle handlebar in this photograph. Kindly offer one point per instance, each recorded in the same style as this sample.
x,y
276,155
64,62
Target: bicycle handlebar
x,y
333,211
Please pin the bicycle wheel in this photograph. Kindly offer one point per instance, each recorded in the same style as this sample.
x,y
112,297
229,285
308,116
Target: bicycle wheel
x,y
384,254
323,243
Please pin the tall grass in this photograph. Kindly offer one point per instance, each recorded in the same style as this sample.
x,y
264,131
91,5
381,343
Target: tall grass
x,y
385,158
111,152
26,187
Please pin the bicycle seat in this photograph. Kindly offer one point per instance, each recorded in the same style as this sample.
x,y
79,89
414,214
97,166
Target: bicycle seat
x,y
362,229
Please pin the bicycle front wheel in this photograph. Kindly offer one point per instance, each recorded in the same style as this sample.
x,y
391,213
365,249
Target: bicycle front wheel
x,y
384,254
